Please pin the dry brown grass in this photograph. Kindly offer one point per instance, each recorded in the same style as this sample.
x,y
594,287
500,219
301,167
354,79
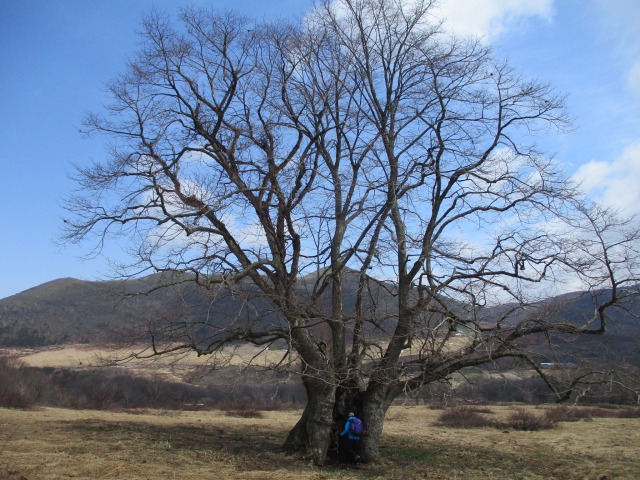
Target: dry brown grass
x,y
93,355
172,367
56,443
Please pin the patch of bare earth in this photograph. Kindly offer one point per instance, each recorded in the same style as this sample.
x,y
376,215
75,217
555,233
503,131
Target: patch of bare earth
x,y
56,443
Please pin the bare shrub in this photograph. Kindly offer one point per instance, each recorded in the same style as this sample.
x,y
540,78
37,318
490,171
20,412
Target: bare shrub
x,y
22,386
242,408
569,414
485,410
524,420
530,391
16,397
397,415
574,414
245,413
464,416
628,413
18,387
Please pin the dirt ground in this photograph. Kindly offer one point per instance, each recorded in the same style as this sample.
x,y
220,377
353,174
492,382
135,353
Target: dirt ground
x,y
53,443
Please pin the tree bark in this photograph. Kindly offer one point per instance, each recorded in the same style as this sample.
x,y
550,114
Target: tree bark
x,y
374,410
312,433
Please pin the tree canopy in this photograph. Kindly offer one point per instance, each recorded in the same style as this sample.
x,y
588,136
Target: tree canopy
x,y
362,149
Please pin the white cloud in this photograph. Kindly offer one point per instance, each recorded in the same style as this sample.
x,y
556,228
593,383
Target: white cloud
x,y
489,18
486,19
614,183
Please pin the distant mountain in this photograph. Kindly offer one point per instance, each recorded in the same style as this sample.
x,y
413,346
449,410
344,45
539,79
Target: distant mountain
x,y
76,311
68,310
619,345
61,311
621,342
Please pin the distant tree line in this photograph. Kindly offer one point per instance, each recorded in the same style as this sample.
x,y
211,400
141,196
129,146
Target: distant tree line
x,y
22,386
12,336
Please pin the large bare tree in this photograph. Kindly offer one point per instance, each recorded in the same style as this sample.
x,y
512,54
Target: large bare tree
x,y
371,182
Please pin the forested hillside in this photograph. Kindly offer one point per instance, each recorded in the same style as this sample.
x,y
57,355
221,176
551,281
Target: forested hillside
x,y
75,311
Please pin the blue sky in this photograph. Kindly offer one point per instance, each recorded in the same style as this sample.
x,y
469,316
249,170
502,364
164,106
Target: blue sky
x,y
56,56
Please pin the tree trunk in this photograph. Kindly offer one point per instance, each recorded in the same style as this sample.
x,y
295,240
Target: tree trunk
x,y
374,410
297,439
312,433
348,399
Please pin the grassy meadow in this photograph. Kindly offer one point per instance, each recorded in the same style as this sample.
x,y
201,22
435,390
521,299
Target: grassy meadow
x,y
56,443
48,443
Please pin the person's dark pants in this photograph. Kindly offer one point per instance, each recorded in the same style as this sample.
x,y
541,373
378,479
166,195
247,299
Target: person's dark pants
x,y
350,449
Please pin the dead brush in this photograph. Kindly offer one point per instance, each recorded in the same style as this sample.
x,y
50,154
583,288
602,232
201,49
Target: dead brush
x,y
464,416
524,420
574,413
631,412
397,416
569,414
245,413
241,408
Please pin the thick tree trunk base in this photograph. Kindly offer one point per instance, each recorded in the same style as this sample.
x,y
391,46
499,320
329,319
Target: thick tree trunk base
x,y
312,433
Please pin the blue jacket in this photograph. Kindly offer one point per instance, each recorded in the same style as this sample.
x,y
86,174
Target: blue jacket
x,y
346,430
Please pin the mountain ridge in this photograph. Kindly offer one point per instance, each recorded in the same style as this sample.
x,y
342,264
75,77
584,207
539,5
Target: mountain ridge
x,y
71,310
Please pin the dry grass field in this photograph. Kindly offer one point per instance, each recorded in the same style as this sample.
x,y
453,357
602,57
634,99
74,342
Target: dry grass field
x,y
171,367
56,443
51,443
74,356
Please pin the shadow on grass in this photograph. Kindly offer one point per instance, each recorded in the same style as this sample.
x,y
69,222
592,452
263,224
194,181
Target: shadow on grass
x,y
259,448
245,447
241,447
446,460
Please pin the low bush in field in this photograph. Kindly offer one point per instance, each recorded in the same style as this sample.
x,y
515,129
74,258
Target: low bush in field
x,y
19,386
245,413
525,420
628,413
473,417
572,413
467,416
464,416
565,413
118,389
531,391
